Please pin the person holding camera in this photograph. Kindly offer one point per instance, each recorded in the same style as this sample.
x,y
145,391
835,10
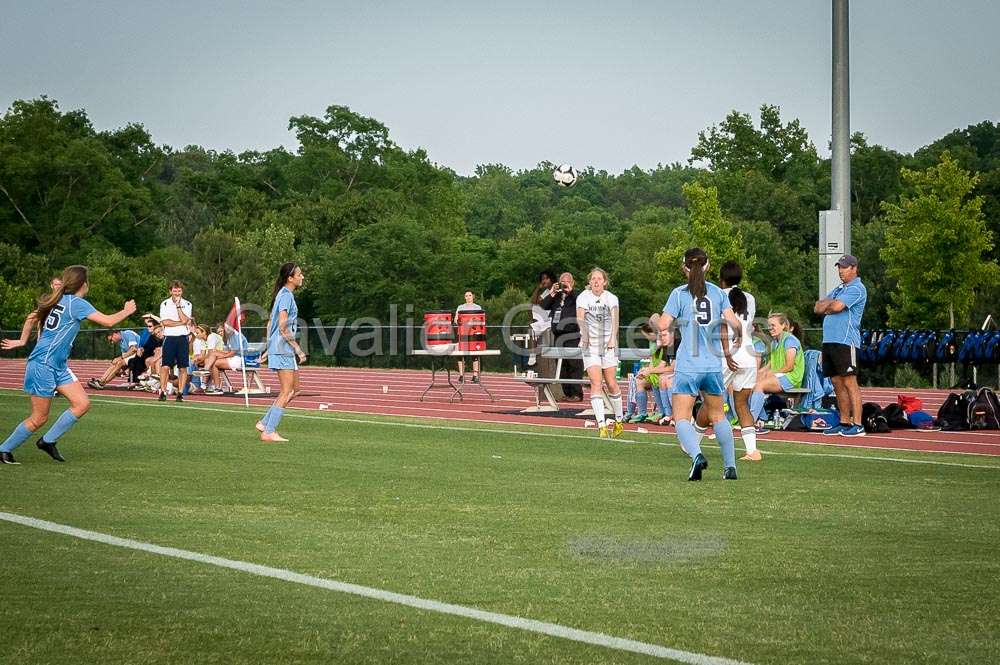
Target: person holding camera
x,y
561,302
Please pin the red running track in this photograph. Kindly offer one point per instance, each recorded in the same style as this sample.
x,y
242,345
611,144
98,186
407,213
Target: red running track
x,y
397,392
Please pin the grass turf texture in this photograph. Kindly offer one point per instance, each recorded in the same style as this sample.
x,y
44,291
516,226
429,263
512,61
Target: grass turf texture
x,y
805,559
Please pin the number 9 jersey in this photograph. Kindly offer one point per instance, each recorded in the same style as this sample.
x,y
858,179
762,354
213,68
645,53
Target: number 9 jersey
x,y
697,320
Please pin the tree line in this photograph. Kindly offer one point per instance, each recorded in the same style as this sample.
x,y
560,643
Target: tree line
x,y
374,224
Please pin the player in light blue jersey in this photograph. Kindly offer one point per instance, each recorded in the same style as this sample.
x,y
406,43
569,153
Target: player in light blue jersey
x,y
127,342
60,313
699,308
283,351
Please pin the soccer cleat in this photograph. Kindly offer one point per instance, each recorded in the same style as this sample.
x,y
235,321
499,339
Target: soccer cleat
x,y
214,391
259,426
475,378
641,418
162,397
752,457
602,431
761,430
95,384
617,429
273,437
699,464
179,398
835,430
729,473
7,458
50,449
853,430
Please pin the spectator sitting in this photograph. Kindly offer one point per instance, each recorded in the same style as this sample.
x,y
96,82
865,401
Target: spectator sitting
x,y
784,367
147,355
656,376
128,345
231,357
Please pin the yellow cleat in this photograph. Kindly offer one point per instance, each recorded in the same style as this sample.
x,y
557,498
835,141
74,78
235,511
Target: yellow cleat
x,y
752,457
603,431
616,430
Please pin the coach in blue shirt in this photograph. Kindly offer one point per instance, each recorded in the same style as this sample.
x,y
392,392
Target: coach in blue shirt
x,y
842,310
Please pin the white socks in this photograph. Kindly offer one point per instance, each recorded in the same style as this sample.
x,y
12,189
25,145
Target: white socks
x,y
616,405
597,403
749,438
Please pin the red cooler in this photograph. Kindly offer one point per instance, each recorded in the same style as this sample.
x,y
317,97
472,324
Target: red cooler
x,y
437,328
472,330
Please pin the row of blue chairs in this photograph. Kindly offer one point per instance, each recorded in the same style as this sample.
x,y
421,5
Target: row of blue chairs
x,y
968,347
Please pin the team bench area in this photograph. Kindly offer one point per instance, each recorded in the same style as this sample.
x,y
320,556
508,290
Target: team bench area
x,y
543,384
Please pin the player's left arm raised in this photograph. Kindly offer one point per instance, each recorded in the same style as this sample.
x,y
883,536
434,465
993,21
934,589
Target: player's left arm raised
x,y
112,320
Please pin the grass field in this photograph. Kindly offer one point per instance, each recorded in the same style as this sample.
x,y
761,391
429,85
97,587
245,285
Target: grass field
x,y
816,555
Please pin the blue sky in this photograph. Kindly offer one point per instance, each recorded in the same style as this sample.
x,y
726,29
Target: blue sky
x,y
607,84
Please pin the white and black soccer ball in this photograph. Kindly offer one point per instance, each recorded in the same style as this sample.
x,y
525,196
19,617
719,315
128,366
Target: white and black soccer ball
x,y
565,175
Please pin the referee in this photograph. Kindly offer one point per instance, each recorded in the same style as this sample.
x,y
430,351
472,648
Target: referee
x,y
175,315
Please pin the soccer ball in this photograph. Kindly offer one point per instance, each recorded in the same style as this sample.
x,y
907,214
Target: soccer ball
x,y
565,175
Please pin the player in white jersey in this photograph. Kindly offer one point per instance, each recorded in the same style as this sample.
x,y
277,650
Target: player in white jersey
x,y
740,381
597,315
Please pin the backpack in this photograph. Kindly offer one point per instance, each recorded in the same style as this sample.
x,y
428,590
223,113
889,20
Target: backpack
x,y
954,413
984,410
896,417
873,418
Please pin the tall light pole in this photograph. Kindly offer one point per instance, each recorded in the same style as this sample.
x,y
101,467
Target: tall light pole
x,y
835,224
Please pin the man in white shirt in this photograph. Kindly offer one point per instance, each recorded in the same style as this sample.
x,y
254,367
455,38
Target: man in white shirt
x,y
175,315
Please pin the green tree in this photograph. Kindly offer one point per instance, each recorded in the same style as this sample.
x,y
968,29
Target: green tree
x,y
61,184
736,145
936,239
708,229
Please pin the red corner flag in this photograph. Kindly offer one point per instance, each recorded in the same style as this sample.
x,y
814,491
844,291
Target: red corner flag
x,y
236,317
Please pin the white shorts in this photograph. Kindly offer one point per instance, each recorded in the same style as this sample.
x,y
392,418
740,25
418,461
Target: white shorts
x,y
743,378
604,358
235,362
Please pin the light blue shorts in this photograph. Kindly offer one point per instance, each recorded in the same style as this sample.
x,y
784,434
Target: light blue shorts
x,y
786,384
41,380
710,383
282,361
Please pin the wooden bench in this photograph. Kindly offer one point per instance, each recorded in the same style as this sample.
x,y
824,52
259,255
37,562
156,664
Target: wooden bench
x,y
543,384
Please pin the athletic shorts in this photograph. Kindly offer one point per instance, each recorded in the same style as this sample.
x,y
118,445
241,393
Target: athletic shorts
x,y
278,361
175,352
710,383
603,358
235,362
839,360
784,381
42,380
743,378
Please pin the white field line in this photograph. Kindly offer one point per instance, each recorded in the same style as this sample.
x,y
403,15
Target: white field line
x,y
510,621
457,428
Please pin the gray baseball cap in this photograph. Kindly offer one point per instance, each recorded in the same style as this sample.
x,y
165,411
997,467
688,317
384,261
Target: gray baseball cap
x,y
847,261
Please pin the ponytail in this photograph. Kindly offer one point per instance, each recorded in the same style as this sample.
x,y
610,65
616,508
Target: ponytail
x,y
73,278
730,275
284,274
695,260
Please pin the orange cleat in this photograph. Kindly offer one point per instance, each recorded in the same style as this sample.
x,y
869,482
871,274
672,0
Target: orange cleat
x,y
755,456
273,437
